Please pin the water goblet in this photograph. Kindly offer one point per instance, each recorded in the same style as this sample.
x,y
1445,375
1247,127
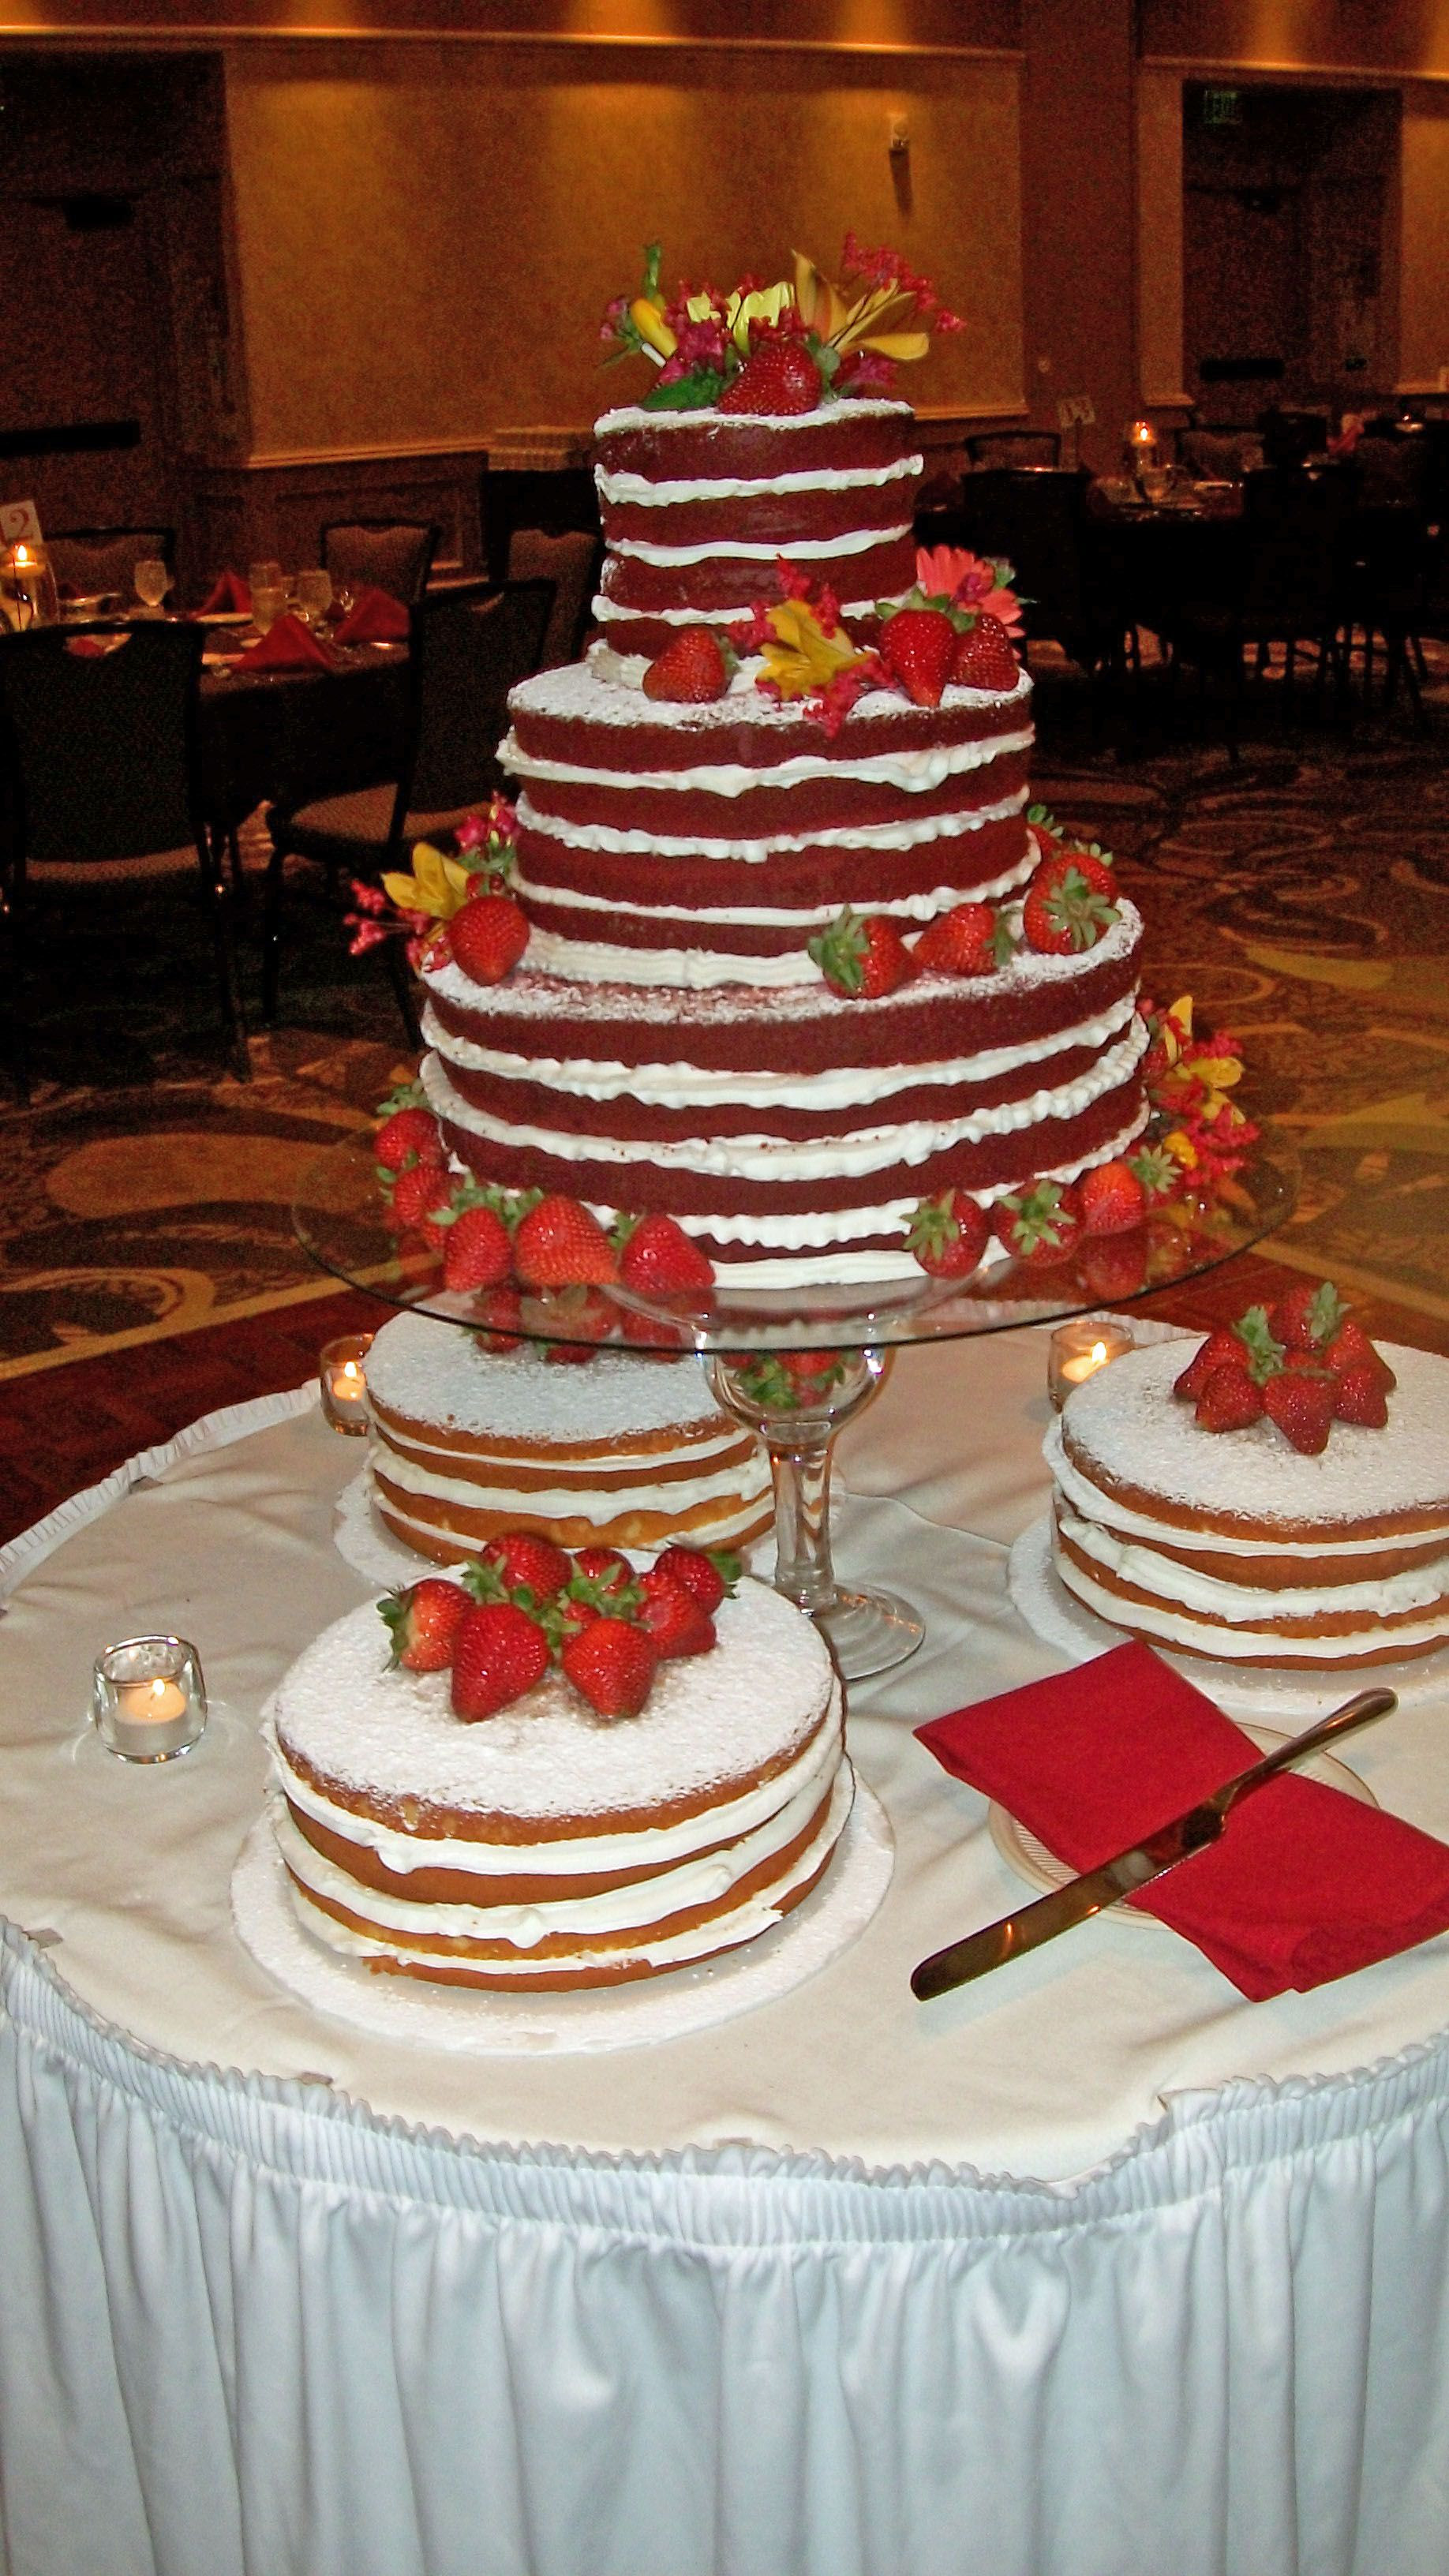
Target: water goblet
x,y
152,581
314,596
269,599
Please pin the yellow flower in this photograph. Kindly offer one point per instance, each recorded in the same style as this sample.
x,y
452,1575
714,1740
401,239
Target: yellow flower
x,y
762,304
803,657
861,325
648,320
1183,1147
438,885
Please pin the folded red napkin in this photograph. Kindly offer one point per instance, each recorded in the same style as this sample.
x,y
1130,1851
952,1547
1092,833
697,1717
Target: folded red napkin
x,y
375,617
289,646
1305,1885
228,596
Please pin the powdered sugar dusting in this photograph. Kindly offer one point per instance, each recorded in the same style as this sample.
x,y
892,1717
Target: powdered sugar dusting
x,y
709,1719
1126,1423
436,1372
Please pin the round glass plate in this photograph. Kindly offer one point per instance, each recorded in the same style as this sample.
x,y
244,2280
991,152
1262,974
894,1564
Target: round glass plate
x,y
339,1216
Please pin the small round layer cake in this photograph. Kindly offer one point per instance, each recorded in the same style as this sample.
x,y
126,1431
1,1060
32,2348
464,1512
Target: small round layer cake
x,y
546,1848
624,1452
1234,1545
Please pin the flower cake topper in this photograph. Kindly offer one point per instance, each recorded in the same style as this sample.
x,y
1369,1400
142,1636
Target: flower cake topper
x,y
783,347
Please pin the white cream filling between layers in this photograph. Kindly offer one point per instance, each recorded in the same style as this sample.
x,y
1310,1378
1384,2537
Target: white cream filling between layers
x,y
916,831
755,1915
1226,1645
1420,1587
436,1440
914,773
583,1853
857,541
688,1086
636,489
557,1502
722,1529
772,1159
758,916
1096,1504
605,610
630,1908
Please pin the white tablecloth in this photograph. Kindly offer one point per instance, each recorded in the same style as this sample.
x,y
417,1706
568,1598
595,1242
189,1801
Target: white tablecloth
x,y
846,2285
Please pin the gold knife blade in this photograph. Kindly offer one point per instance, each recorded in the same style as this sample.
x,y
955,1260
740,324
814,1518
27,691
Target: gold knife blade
x,y
1137,1867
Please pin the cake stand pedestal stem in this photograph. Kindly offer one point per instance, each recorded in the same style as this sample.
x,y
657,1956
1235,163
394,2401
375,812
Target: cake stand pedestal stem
x,y
798,1401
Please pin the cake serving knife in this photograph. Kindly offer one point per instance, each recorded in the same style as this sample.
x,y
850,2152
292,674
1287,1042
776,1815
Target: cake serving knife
x,y
1129,1870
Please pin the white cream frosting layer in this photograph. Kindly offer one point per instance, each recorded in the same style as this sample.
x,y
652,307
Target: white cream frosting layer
x,y
856,541
653,1847
755,1915
1091,1500
1178,1628
605,609
633,417
913,831
638,491
621,1457
557,1502
773,1159
1419,1587
687,1086
913,773
919,907
605,1513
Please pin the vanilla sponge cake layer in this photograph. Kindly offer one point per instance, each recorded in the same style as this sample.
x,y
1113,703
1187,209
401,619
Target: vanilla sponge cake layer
x,y
546,1847
624,1451
1234,1545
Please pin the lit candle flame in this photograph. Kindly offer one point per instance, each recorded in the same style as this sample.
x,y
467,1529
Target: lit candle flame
x,y
1099,1353
349,1368
158,1688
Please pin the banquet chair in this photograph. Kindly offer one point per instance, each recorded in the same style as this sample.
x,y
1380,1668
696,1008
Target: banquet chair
x,y
98,750
470,645
572,561
1285,582
1218,455
1014,447
395,555
89,561
1037,519
554,501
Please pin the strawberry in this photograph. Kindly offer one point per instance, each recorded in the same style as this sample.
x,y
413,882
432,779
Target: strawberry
x,y
607,1568
613,1663
559,1244
408,1135
1113,1199
1159,1171
779,379
1041,1225
570,1323
708,1574
1230,1399
1351,1348
498,1654
496,1310
918,646
1069,903
1308,1316
477,1246
1301,1404
1114,1266
660,1261
488,937
1222,1349
948,1235
524,1560
423,1623
678,1624
984,658
1362,1398
693,670
970,939
862,956
418,1196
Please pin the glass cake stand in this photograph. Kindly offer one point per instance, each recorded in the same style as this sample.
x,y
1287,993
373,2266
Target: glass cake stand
x,y
796,1364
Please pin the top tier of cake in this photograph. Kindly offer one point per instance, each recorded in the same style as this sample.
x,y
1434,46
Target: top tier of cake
x,y
698,506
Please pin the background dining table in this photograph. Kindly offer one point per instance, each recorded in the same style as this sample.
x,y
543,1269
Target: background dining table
x,y
844,2284
288,736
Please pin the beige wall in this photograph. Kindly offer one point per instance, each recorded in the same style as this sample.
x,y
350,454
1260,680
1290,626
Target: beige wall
x,y
1397,37
1424,243
427,235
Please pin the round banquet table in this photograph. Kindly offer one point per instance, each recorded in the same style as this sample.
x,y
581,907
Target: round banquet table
x,y
287,736
1086,2266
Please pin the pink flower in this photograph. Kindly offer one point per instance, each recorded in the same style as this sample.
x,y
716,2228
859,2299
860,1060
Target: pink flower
x,y
865,371
968,581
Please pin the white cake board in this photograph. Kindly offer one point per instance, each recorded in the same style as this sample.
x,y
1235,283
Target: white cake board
x,y
362,1538
669,2006
1055,1615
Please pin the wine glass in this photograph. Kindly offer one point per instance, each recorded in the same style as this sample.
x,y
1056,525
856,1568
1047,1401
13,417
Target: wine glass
x,y
269,598
314,596
152,581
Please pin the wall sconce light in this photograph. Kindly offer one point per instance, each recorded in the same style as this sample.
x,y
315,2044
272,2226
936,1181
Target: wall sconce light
x,y
900,138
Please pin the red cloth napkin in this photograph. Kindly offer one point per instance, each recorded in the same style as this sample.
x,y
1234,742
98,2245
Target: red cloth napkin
x,y
228,596
375,617
1305,1885
290,646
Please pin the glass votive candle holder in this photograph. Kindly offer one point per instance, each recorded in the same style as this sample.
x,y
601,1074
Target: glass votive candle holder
x,y
1078,1349
343,1372
148,1700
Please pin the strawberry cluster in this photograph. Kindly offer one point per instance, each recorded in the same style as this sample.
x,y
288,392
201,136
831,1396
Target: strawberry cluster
x,y
1070,901
528,1257
523,1605
1302,1362
1100,1221
426,907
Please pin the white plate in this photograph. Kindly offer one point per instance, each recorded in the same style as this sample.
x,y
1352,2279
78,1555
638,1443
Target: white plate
x,y
1031,1860
224,617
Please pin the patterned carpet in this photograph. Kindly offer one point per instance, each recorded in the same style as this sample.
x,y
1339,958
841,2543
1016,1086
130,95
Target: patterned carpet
x,y
1302,895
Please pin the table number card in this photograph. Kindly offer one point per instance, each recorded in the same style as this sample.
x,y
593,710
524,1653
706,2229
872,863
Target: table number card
x,y
19,523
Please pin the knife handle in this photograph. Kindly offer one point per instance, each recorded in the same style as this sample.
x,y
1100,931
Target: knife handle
x,y
1357,1712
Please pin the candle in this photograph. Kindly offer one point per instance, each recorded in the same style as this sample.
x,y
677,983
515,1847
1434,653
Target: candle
x,y
344,1382
148,1700
1079,1349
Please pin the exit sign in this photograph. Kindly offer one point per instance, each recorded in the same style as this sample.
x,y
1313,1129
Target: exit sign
x,y
1222,107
